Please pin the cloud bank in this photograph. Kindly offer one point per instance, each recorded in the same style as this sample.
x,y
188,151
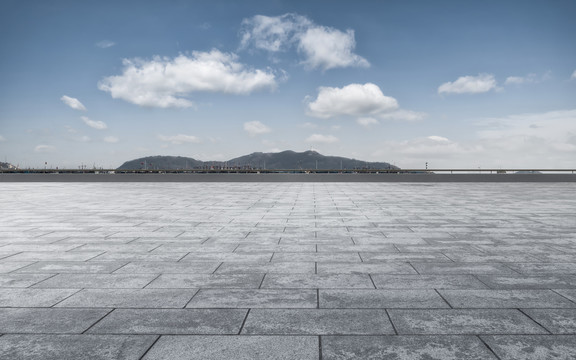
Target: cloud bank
x,y
166,82
322,139
179,139
322,47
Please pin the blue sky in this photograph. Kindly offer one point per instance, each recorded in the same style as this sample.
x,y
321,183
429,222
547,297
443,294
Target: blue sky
x,y
457,84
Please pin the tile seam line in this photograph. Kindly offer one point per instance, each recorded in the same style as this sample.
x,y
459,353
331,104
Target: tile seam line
x,y
150,347
488,347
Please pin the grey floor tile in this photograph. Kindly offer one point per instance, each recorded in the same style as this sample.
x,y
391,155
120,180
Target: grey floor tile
x,y
404,348
15,280
228,257
557,321
427,282
72,267
569,293
544,268
254,298
346,257
234,347
462,268
77,347
171,321
9,266
326,281
317,322
130,298
97,281
48,321
185,281
365,268
55,256
168,267
533,347
33,297
529,281
505,299
270,267
380,299
416,257
463,322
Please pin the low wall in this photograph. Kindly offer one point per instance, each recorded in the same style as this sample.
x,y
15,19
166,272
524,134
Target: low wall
x,y
287,177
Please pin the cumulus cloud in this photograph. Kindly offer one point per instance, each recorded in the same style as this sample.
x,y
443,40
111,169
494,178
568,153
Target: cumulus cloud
x,y
353,100
165,82
254,128
469,84
403,115
111,139
323,47
367,121
44,149
73,103
98,125
530,78
322,139
573,75
104,44
179,139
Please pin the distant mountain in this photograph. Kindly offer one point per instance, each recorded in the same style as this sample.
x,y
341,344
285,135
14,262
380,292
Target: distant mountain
x,y
285,160
162,163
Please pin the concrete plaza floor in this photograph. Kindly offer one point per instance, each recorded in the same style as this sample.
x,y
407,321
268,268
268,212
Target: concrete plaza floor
x,y
288,271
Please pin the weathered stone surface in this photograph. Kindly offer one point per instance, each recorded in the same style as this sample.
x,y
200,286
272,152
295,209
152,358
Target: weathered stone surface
x,y
404,348
254,298
234,347
533,347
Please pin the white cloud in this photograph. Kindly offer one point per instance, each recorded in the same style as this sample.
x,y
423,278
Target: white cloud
x,y
403,115
254,128
367,121
353,100
273,33
322,139
438,139
44,149
111,139
328,48
73,103
531,78
308,125
469,84
104,44
165,82
323,47
573,75
98,125
2,138
179,139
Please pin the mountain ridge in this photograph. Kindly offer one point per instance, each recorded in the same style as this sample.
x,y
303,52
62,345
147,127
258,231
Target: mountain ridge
x,y
284,160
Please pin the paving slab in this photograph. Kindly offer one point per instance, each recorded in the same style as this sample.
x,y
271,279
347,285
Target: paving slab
x,y
72,267
463,322
14,280
129,298
234,347
171,321
168,267
48,321
529,281
533,347
505,299
270,267
427,282
557,321
462,268
321,281
365,268
78,347
187,281
97,281
254,298
33,297
317,322
358,299
404,348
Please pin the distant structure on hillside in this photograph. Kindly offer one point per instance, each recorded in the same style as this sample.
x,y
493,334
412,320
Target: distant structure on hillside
x,y
7,166
285,160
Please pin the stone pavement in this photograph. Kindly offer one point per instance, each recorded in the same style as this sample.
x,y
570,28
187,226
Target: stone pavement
x,y
287,271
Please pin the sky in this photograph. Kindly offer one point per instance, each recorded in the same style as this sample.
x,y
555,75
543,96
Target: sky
x,y
454,84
